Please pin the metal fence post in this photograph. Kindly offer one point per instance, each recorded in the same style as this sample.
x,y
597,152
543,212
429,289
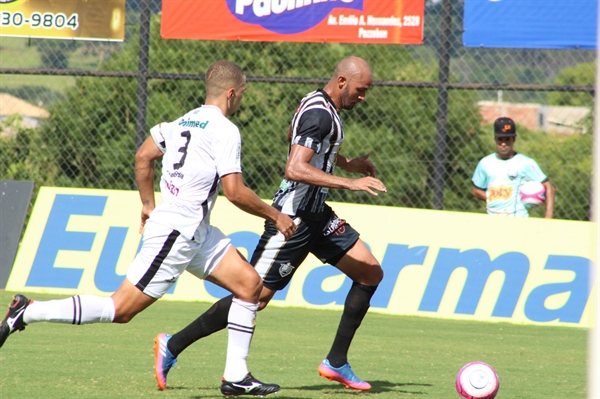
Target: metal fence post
x,y
142,92
442,106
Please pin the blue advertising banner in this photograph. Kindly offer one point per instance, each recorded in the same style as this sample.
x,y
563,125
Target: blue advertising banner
x,y
531,23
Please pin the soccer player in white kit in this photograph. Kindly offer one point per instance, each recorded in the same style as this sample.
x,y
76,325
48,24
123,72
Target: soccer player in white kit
x,y
200,152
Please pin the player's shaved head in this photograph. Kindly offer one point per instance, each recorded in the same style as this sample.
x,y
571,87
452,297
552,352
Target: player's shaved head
x,y
350,81
351,67
221,76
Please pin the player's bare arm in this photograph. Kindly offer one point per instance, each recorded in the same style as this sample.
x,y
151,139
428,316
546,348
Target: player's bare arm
x,y
244,198
549,199
478,193
144,176
357,165
298,168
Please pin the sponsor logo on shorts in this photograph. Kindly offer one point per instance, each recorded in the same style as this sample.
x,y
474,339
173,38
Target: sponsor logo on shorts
x,y
285,269
171,280
336,226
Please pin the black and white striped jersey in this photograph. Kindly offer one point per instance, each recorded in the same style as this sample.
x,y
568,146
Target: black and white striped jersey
x,y
316,125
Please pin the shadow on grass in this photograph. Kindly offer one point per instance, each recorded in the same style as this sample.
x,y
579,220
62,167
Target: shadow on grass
x,y
327,390
376,387
212,393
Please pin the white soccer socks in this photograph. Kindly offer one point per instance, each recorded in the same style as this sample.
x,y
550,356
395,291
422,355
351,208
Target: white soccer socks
x,y
79,309
241,322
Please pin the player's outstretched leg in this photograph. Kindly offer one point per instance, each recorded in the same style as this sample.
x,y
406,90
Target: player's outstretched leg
x,y
344,375
248,386
13,321
163,360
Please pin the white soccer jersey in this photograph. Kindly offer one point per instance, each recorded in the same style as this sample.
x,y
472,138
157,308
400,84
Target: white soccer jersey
x,y
502,178
199,148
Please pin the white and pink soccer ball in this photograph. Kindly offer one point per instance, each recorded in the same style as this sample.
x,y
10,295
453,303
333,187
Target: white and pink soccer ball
x,y
477,380
532,193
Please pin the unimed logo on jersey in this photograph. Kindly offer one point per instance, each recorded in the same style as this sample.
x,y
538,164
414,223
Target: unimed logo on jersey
x,y
287,16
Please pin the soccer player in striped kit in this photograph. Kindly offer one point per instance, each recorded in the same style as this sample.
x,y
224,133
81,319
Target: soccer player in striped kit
x,y
315,137
200,153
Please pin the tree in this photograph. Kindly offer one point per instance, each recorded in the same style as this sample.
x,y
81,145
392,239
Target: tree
x,y
54,53
578,75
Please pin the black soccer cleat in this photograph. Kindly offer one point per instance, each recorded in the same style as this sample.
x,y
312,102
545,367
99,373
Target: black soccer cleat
x,y
13,321
248,386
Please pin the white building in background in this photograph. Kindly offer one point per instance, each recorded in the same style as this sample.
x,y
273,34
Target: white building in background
x,y
11,105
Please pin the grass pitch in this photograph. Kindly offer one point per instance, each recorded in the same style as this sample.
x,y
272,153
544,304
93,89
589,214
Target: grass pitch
x,y
401,357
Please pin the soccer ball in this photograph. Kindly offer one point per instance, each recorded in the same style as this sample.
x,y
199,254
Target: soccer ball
x,y
477,380
532,193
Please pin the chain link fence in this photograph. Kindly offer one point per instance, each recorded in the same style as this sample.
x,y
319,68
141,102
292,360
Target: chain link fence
x,y
74,112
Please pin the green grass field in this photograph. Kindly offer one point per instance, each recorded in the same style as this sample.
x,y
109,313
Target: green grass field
x,y
402,357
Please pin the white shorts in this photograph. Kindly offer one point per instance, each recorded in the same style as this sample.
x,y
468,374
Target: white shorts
x,y
166,254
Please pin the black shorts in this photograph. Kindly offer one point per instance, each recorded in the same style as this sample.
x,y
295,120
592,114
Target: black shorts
x,y
324,235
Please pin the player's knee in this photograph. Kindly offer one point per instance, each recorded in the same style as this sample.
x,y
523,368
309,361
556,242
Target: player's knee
x,y
257,287
250,292
374,276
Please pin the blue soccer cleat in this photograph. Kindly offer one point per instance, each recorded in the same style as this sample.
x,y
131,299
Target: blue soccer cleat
x,y
163,360
344,375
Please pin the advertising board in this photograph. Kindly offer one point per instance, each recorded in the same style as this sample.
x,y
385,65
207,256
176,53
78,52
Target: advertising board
x,y
342,21
59,19
437,264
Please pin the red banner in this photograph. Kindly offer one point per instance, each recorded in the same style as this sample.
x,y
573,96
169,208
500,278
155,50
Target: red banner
x,y
341,21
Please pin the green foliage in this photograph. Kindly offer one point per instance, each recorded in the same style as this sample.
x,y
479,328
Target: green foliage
x,y
578,75
571,178
96,134
54,53
90,139
24,151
